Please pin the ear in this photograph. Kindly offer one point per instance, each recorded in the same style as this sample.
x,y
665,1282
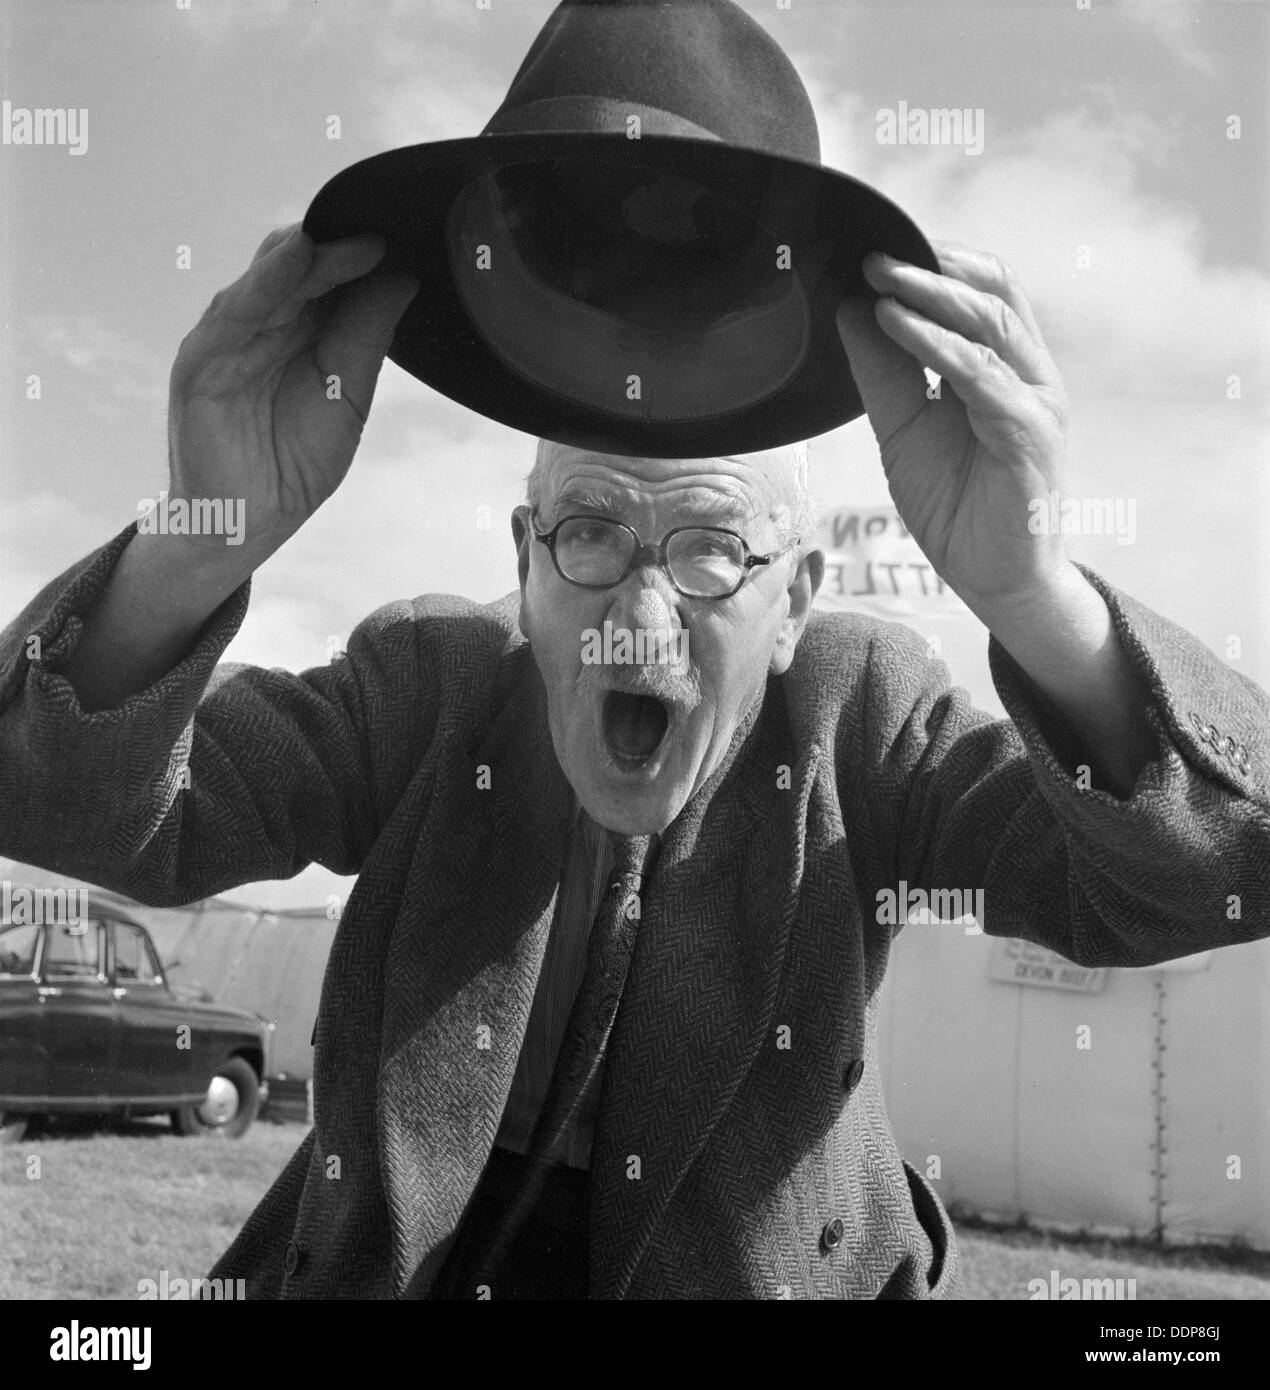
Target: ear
x,y
803,588
521,535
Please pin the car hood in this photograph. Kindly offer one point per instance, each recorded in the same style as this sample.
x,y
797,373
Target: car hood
x,y
190,993
195,996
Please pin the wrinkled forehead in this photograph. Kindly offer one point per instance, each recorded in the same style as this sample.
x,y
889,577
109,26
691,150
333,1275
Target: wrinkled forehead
x,y
733,487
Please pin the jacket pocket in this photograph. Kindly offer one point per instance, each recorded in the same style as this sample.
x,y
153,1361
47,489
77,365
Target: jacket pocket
x,y
944,1276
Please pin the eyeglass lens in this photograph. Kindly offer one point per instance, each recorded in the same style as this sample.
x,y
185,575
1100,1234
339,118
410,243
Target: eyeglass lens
x,y
701,562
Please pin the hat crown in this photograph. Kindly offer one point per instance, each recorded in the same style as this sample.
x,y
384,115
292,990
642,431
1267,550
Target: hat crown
x,y
685,67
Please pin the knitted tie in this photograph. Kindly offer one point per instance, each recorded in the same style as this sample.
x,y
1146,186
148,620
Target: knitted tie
x,y
586,1034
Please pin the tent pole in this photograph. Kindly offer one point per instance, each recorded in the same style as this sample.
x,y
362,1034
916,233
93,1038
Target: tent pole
x,y
1157,1096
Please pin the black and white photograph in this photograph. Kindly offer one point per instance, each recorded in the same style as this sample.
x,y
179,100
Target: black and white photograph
x,y
635,652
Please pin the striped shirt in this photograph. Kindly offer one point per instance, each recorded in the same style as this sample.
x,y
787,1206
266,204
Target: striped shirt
x,y
588,862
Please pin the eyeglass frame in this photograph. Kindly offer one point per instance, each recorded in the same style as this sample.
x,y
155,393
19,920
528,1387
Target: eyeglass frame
x,y
659,553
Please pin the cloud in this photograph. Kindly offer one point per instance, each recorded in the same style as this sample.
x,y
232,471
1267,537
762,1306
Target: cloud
x,y
281,629
1116,272
41,534
311,887
425,509
1178,27
232,20
116,369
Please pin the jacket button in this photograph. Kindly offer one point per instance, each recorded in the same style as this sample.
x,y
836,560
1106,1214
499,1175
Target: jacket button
x,y
291,1257
831,1236
851,1077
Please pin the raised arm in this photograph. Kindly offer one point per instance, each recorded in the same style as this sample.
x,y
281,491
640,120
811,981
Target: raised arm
x,y
1109,820
126,757
269,395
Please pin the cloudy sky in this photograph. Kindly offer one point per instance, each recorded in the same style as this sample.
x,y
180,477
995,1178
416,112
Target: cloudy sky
x,y
1108,178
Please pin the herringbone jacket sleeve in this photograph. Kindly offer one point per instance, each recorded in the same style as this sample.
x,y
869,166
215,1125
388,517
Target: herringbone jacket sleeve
x,y
964,801
214,776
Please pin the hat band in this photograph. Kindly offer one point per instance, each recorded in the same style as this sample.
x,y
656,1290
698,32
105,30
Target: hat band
x,y
578,115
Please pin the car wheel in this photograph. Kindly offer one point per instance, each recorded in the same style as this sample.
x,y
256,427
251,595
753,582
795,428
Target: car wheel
x,y
13,1128
229,1106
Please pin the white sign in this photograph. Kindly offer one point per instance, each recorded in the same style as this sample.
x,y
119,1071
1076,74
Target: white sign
x,y
873,565
1022,963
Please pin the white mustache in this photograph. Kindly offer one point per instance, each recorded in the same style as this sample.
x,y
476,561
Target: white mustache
x,y
682,689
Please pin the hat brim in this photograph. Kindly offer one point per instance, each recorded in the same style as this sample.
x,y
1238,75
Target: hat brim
x,y
833,221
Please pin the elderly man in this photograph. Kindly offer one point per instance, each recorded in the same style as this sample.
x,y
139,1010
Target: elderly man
x,y
490,1121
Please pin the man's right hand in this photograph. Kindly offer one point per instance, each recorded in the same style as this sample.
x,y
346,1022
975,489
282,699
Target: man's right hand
x,y
254,414
271,389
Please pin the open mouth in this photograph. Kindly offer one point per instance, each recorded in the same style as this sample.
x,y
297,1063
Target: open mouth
x,y
634,725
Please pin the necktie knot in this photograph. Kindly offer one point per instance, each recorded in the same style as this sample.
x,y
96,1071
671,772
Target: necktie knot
x,y
632,858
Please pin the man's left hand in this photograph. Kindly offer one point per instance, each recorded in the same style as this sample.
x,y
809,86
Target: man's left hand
x,y
963,466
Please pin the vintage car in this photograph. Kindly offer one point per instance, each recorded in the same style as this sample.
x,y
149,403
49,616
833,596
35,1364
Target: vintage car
x,y
89,1023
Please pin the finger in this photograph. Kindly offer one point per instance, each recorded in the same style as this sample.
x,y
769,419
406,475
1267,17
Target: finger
x,y
238,312
334,263
982,381
359,333
976,314
891,382
990,274
279,234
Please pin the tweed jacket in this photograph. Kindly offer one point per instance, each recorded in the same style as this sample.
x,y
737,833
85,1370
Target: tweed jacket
x,y
742,1148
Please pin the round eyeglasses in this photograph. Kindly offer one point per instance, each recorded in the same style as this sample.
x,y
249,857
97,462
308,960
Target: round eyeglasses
x,y
596,552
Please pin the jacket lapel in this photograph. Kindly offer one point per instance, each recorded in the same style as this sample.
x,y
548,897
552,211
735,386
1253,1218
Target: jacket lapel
x,y
463,961
701,987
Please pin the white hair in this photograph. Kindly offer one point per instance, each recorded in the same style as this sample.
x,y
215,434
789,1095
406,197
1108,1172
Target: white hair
x,y
795,518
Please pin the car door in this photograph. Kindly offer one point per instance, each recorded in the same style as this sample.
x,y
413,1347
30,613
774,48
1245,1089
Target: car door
x,y
23,1064
155,1031
77,1014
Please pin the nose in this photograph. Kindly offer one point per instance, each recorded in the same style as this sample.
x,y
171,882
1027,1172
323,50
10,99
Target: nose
x,y
646,599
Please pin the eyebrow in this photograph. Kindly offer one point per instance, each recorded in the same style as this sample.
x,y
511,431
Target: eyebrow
x,y
733,511
588,500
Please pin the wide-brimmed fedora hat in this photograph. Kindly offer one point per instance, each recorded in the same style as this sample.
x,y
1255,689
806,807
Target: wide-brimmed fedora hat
x,y
641,253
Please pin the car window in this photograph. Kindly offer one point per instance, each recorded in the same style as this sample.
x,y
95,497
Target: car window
x,y
134,960
17,950
72,952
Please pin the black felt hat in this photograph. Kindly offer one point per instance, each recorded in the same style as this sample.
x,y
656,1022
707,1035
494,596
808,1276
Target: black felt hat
x,y
641,253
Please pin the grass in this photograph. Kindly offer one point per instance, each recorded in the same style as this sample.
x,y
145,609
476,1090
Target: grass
x,y
115,1204
998,1263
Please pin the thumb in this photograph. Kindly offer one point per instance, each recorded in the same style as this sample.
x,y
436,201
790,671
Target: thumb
x,y
360,331
890,380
